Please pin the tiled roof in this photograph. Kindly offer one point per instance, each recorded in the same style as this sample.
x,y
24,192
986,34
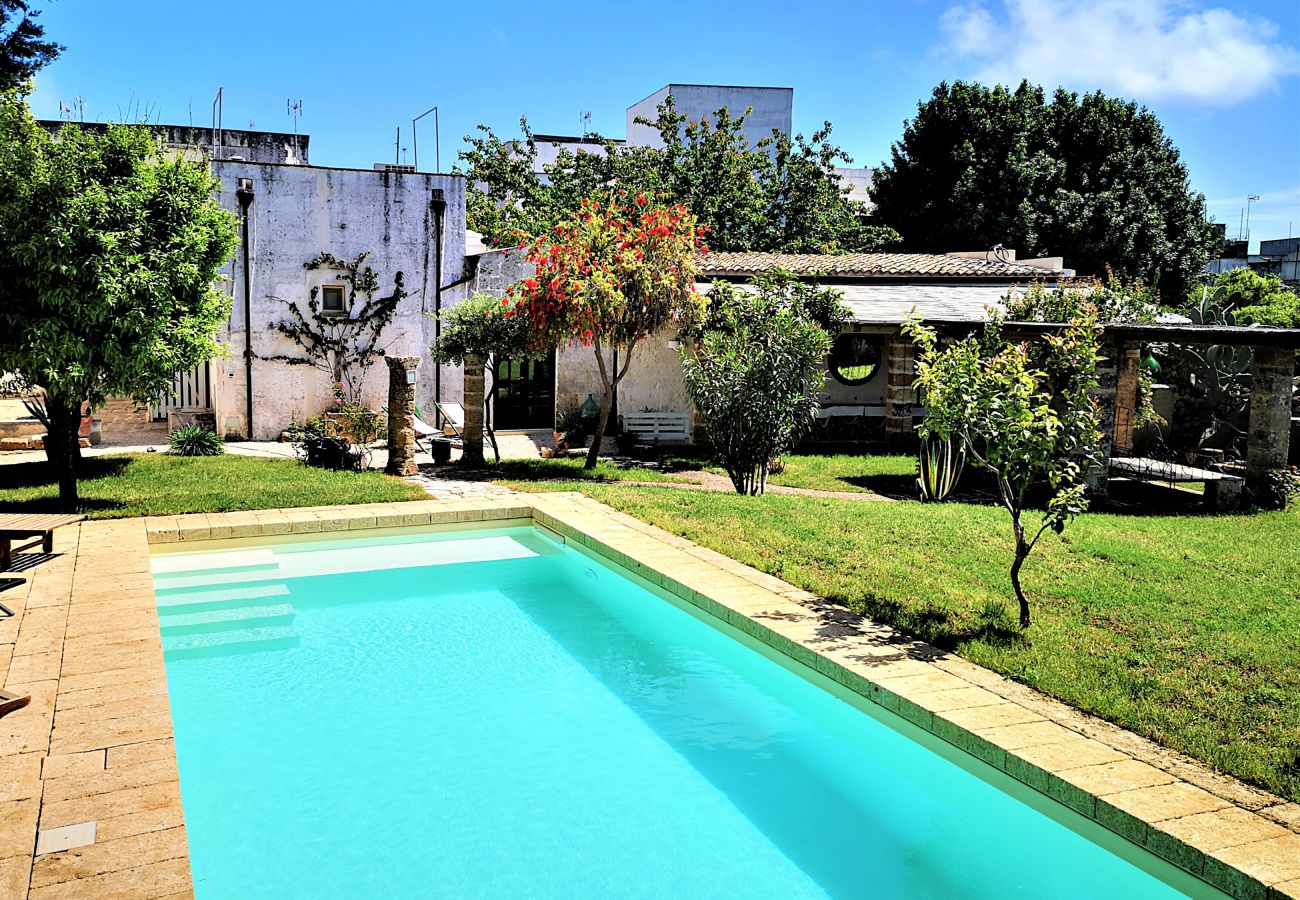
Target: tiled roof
x,y
867,265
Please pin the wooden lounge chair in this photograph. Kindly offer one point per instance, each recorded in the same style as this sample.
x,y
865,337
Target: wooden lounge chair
x,y
10,701
41,527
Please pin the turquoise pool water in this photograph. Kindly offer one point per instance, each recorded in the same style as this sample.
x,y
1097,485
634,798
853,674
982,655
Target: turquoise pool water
x,y
492,714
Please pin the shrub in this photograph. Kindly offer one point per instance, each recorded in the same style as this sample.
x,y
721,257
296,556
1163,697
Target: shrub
x,y
756,369
195,440
316,443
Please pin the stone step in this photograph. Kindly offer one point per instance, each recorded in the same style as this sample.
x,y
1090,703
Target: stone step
x,y
259,639
229,619
193,599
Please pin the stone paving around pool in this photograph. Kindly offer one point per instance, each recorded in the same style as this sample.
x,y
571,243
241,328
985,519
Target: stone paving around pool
x,y
90,800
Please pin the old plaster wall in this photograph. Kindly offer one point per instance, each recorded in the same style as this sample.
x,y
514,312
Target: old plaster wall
x,y
297,213
654,381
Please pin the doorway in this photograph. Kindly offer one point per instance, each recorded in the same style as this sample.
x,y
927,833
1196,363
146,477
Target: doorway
x,y
525,393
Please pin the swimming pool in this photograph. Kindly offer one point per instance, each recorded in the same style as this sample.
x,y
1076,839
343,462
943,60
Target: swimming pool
x,y
494,714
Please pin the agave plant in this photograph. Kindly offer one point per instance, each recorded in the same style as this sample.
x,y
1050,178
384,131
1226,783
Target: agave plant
x,y
941,464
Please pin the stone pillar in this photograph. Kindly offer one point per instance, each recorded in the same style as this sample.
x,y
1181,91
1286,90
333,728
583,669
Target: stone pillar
x,y
472,452
1106,395
1128,368
401,415
1268,437
899,393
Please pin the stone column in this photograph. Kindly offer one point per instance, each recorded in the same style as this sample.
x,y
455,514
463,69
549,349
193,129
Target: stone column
x,y
401,415
472,452
899,393
1268,437
1106,394
1128,365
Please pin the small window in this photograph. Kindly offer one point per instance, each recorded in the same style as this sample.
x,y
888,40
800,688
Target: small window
x,y
854,359
331,299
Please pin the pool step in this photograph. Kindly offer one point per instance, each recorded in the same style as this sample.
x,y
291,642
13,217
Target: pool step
x,y
230,642
195,599
224,618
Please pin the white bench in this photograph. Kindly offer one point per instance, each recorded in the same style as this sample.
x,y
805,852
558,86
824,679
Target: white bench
x,y
1222,491
659,427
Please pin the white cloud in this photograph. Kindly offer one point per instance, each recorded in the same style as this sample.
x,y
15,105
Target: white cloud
x,y
1143,49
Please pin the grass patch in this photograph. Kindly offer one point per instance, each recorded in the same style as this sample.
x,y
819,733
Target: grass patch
x,y
157,484
1181,628
893,474
522,471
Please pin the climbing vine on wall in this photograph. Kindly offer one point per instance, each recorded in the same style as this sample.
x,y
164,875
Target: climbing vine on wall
x,y
344,344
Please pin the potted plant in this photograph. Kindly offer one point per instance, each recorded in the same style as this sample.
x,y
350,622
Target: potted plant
x,y
570,430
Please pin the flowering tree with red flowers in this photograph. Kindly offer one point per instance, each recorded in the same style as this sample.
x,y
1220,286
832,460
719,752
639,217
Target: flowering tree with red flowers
x,y
608,276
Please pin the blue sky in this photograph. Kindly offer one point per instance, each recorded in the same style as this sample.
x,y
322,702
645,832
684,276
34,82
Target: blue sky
x,y
1225,80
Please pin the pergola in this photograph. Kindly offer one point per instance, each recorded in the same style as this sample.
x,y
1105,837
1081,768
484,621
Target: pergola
x,y
1268,439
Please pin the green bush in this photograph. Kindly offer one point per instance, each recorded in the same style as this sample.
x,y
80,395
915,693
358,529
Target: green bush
x,y
195,440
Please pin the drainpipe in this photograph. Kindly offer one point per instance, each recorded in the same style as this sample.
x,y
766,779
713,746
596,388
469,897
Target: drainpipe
x,y
244,193
439,206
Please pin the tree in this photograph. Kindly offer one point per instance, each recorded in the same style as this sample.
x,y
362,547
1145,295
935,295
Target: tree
x,y
1024,412
475,333
781,195
1092,178
756,369
23,48
1253,298
610,275
109,253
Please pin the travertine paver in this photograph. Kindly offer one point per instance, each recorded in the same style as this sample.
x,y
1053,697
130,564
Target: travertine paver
x,y
95,745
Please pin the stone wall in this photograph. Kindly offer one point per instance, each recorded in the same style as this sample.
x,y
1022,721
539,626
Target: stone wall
x,y
299,212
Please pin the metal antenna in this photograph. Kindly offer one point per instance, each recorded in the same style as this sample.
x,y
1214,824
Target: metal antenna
x,y
1249,200
293,108
437,143
218,108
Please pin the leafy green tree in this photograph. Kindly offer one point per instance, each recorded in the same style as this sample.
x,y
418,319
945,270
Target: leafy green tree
x,y
609,276
1024,412
475,333
1253,298
1092,178
23,47
756,369
781,195
109,253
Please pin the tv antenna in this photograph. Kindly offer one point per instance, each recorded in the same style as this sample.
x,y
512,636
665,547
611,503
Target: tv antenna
x,y
1249,200
293,108
585,118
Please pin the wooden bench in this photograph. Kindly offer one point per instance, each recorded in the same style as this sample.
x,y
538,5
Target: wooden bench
x,y
659,427
1222,491
41,527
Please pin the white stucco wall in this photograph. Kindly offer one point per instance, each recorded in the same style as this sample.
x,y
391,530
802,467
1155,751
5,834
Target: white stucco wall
x,y
299,212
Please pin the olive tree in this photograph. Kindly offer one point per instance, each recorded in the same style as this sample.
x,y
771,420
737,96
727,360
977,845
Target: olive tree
x,y
475,334
756,369
110,248
1025,412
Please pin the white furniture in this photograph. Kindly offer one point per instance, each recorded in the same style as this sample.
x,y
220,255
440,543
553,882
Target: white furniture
x,y
659,427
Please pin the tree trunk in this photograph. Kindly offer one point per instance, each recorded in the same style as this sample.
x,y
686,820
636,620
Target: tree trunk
x,y
609,381
597,437
1022,553
62,447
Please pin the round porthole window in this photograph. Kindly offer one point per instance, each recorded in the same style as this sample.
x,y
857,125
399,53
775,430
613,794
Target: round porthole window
x,y
854,359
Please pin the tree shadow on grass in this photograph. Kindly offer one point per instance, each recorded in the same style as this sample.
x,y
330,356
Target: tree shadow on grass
x,y
991,624
33,475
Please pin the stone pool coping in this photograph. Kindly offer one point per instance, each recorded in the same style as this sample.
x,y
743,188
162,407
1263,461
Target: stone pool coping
x,y
95,745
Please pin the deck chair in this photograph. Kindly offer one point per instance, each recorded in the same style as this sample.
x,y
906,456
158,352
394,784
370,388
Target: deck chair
x,y
453,417
424,432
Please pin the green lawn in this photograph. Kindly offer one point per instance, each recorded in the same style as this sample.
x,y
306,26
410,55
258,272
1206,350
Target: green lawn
x,y
1181,628
884,474
158,484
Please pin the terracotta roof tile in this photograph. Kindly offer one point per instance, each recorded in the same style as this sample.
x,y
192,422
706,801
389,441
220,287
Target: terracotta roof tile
x,y
869,265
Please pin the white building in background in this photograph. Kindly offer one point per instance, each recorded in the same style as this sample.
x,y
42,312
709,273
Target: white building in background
x,y
769,108
765,109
